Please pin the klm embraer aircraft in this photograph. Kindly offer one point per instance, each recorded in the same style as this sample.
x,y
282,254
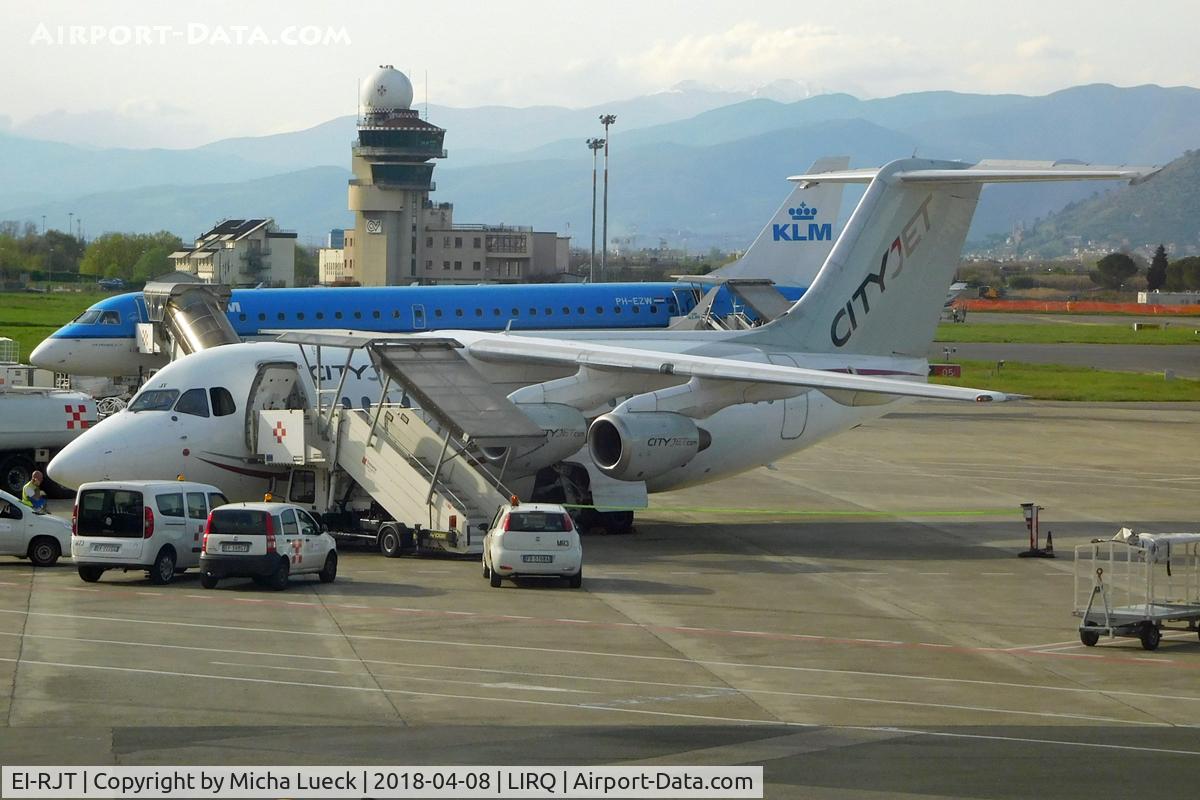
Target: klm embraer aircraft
x,y
103,339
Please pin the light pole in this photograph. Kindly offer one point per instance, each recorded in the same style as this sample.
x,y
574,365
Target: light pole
x,y
605,120
593,145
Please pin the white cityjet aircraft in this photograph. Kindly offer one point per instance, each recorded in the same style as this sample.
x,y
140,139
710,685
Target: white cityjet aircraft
x,y
667,408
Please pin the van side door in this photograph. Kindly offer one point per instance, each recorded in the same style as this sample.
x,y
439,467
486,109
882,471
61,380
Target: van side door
x,y
172,521
314,542
197,516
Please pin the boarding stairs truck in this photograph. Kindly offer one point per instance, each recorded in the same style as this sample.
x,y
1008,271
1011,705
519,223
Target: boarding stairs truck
x,y
36,420
405,477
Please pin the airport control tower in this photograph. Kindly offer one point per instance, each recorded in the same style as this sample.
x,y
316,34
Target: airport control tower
x,y
392,179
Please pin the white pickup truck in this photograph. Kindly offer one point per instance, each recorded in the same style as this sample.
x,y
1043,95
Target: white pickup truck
x,y
39,537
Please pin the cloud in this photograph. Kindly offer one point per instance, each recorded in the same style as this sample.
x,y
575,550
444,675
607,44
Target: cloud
x,y
1043,48
137,122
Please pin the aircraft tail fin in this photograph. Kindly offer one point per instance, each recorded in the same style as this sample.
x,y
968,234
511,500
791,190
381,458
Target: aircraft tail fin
x,y
792,247
883,286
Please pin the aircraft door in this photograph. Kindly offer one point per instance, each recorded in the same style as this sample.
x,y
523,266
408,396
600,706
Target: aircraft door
x,y
418,317
276,386
795,409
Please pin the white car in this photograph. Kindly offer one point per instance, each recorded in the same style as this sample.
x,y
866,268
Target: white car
x,y
39,537
268,542
532,539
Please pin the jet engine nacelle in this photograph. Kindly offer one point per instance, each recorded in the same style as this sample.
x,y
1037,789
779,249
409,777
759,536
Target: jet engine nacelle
x,y
639,445
566,433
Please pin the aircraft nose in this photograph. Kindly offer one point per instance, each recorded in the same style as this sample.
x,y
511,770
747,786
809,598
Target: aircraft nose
x,y
51,354
91,457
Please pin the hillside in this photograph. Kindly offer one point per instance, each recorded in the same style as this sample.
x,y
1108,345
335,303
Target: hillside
x,y
1160,210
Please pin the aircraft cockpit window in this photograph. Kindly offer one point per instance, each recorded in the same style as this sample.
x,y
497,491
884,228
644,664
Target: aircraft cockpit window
x,y
222,401
154,400
193,402
110,318
88,317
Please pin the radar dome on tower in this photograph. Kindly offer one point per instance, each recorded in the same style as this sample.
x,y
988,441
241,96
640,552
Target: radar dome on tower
x,y
387,89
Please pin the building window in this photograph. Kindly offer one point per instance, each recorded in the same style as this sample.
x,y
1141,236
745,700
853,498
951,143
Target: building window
x,y
445,241
458,265
429,241
478,242
475,266
445,265
429,264
458,241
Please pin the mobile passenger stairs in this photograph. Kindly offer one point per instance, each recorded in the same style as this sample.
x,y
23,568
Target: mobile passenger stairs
x,y
1137,585
406,476
755,302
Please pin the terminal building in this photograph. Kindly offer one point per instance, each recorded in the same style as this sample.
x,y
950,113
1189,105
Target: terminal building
x,y
399,235
241,252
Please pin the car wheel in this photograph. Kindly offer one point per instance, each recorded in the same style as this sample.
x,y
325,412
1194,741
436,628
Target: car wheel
x,y
14,474
163,570
209,581
90,574
576,580
389,541
329,571
43,551
495,579
279,578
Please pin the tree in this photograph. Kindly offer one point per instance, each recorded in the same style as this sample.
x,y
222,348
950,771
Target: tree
x,y
120,255
1156,276
1113,270
305,266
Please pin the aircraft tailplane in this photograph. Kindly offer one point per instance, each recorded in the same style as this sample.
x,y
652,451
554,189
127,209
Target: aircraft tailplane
x,y
883,286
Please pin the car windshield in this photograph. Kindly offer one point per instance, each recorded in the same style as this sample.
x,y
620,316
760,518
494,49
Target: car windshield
x,y
155,400
549,521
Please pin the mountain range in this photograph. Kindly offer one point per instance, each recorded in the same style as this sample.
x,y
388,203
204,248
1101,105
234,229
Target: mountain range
x,y
693,166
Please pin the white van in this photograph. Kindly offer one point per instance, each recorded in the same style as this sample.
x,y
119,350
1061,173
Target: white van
x,y
154,526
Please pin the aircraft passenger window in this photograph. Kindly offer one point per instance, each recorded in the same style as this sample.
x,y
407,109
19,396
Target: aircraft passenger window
x,y
154,400
346,403
599,309
110,318
195,506
193,402
653,309
375,314
241,317
88,317
580,310
320,315
395,313
479,312
366,403
533,312
358,315
280,316
458,312
516,312
262,317
495,312
549,312
337,315
616,309
299,315
222,401
437,312
636,309
566,309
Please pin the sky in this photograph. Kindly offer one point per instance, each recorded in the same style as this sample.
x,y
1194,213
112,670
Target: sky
x,y
142,74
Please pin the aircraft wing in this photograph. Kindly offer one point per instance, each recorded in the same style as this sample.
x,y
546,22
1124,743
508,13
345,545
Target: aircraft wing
x,y
528,349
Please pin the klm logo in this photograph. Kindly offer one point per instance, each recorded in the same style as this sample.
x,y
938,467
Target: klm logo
x,y
846,320
793,232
